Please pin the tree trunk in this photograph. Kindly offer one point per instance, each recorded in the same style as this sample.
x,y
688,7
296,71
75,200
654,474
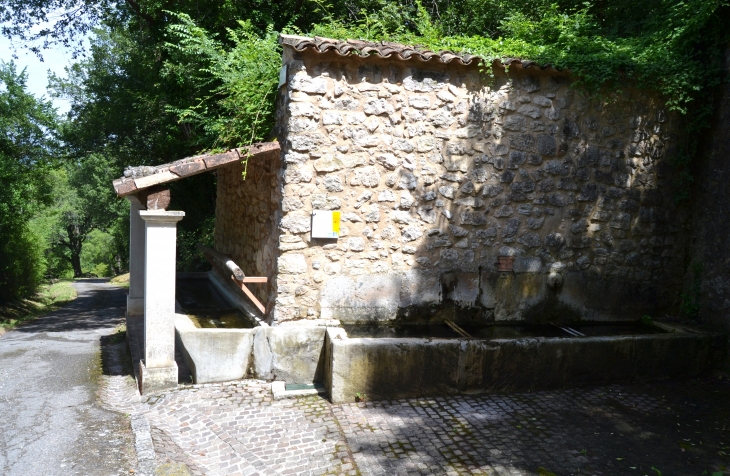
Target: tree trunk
x,y
76,263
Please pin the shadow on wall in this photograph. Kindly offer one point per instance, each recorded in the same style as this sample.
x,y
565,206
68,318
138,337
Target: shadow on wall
x,y
528,173
247,214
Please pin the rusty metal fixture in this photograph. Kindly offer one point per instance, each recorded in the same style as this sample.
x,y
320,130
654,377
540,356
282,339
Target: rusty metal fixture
x,y
505,263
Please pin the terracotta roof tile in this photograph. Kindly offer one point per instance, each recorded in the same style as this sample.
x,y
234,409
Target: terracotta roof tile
x,y
391,50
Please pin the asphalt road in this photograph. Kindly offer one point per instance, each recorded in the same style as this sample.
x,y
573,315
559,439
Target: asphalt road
x,y
50,368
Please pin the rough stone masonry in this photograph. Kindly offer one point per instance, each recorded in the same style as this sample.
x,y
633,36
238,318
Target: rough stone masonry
x,y
438,169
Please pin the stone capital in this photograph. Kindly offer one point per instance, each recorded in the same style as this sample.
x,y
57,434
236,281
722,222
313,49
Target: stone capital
x,y
161,216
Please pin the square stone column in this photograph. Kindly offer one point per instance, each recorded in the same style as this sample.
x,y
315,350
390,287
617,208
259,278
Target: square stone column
x,y
135,296
158,370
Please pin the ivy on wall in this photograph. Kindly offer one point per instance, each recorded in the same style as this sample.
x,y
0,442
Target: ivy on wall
x,y
675,47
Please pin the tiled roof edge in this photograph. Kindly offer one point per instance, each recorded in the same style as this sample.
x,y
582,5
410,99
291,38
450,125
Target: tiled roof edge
x,y
136,179
398,51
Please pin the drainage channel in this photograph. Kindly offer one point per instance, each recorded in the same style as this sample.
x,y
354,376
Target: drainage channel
x,y
282,390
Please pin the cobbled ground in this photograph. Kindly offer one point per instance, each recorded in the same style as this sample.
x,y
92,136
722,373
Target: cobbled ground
x,y
236,428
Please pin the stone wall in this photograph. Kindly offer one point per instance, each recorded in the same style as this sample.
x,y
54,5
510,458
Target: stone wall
x,y
438,172
247,212
710,246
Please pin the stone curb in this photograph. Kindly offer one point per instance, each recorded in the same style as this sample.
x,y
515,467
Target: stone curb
x,y
146,458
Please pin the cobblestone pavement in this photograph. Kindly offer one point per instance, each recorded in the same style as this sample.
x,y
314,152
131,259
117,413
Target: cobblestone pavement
x,y
238,429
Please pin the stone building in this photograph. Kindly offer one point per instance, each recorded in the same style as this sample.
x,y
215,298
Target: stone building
x,y
455,188
417,186
506,194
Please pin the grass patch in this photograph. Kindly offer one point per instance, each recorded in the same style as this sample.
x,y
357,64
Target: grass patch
x,y
122,280
120,335
48,298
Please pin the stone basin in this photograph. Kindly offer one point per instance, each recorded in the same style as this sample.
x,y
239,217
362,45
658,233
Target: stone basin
x,y
388,361
407,367
249,348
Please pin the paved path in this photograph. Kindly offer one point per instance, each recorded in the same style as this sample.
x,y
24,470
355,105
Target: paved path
x,y
49,374
52,424
679,428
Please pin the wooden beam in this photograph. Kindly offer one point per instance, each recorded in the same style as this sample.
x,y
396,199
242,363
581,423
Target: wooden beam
x,y
154,198
238,276
158,199
250,295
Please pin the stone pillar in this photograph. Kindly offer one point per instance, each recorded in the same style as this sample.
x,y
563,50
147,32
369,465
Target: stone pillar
x,y
135,297
159,370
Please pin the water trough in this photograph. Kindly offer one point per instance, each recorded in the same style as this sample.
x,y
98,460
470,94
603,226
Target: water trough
x,y
221,340
506,358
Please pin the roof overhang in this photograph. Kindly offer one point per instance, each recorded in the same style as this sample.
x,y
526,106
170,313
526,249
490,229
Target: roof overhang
x,y
137,179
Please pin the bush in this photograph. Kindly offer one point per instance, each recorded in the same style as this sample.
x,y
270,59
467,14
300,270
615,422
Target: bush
x,y
22,263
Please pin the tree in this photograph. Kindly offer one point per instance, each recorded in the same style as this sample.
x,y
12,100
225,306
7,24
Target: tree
x,y
83,202
27,126
165,80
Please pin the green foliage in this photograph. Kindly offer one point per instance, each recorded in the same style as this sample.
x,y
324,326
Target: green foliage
x,y
98,254
83,211
646,320
21,263
673,49
237,84
188,256
48,298
26,141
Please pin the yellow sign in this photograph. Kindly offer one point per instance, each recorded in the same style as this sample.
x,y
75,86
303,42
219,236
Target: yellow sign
x,y
336,222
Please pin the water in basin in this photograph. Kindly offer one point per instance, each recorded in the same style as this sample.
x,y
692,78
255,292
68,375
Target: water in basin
x,y
498,331
205,306
402,330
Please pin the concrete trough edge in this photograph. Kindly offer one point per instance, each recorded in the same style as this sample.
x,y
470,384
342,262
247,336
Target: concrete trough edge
x,y
293,354
429,367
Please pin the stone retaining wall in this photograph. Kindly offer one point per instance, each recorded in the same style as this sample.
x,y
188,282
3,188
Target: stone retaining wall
x,y
708,283
438,172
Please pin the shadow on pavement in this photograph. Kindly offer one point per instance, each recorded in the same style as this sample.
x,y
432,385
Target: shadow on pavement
x,y
96,307
679,428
